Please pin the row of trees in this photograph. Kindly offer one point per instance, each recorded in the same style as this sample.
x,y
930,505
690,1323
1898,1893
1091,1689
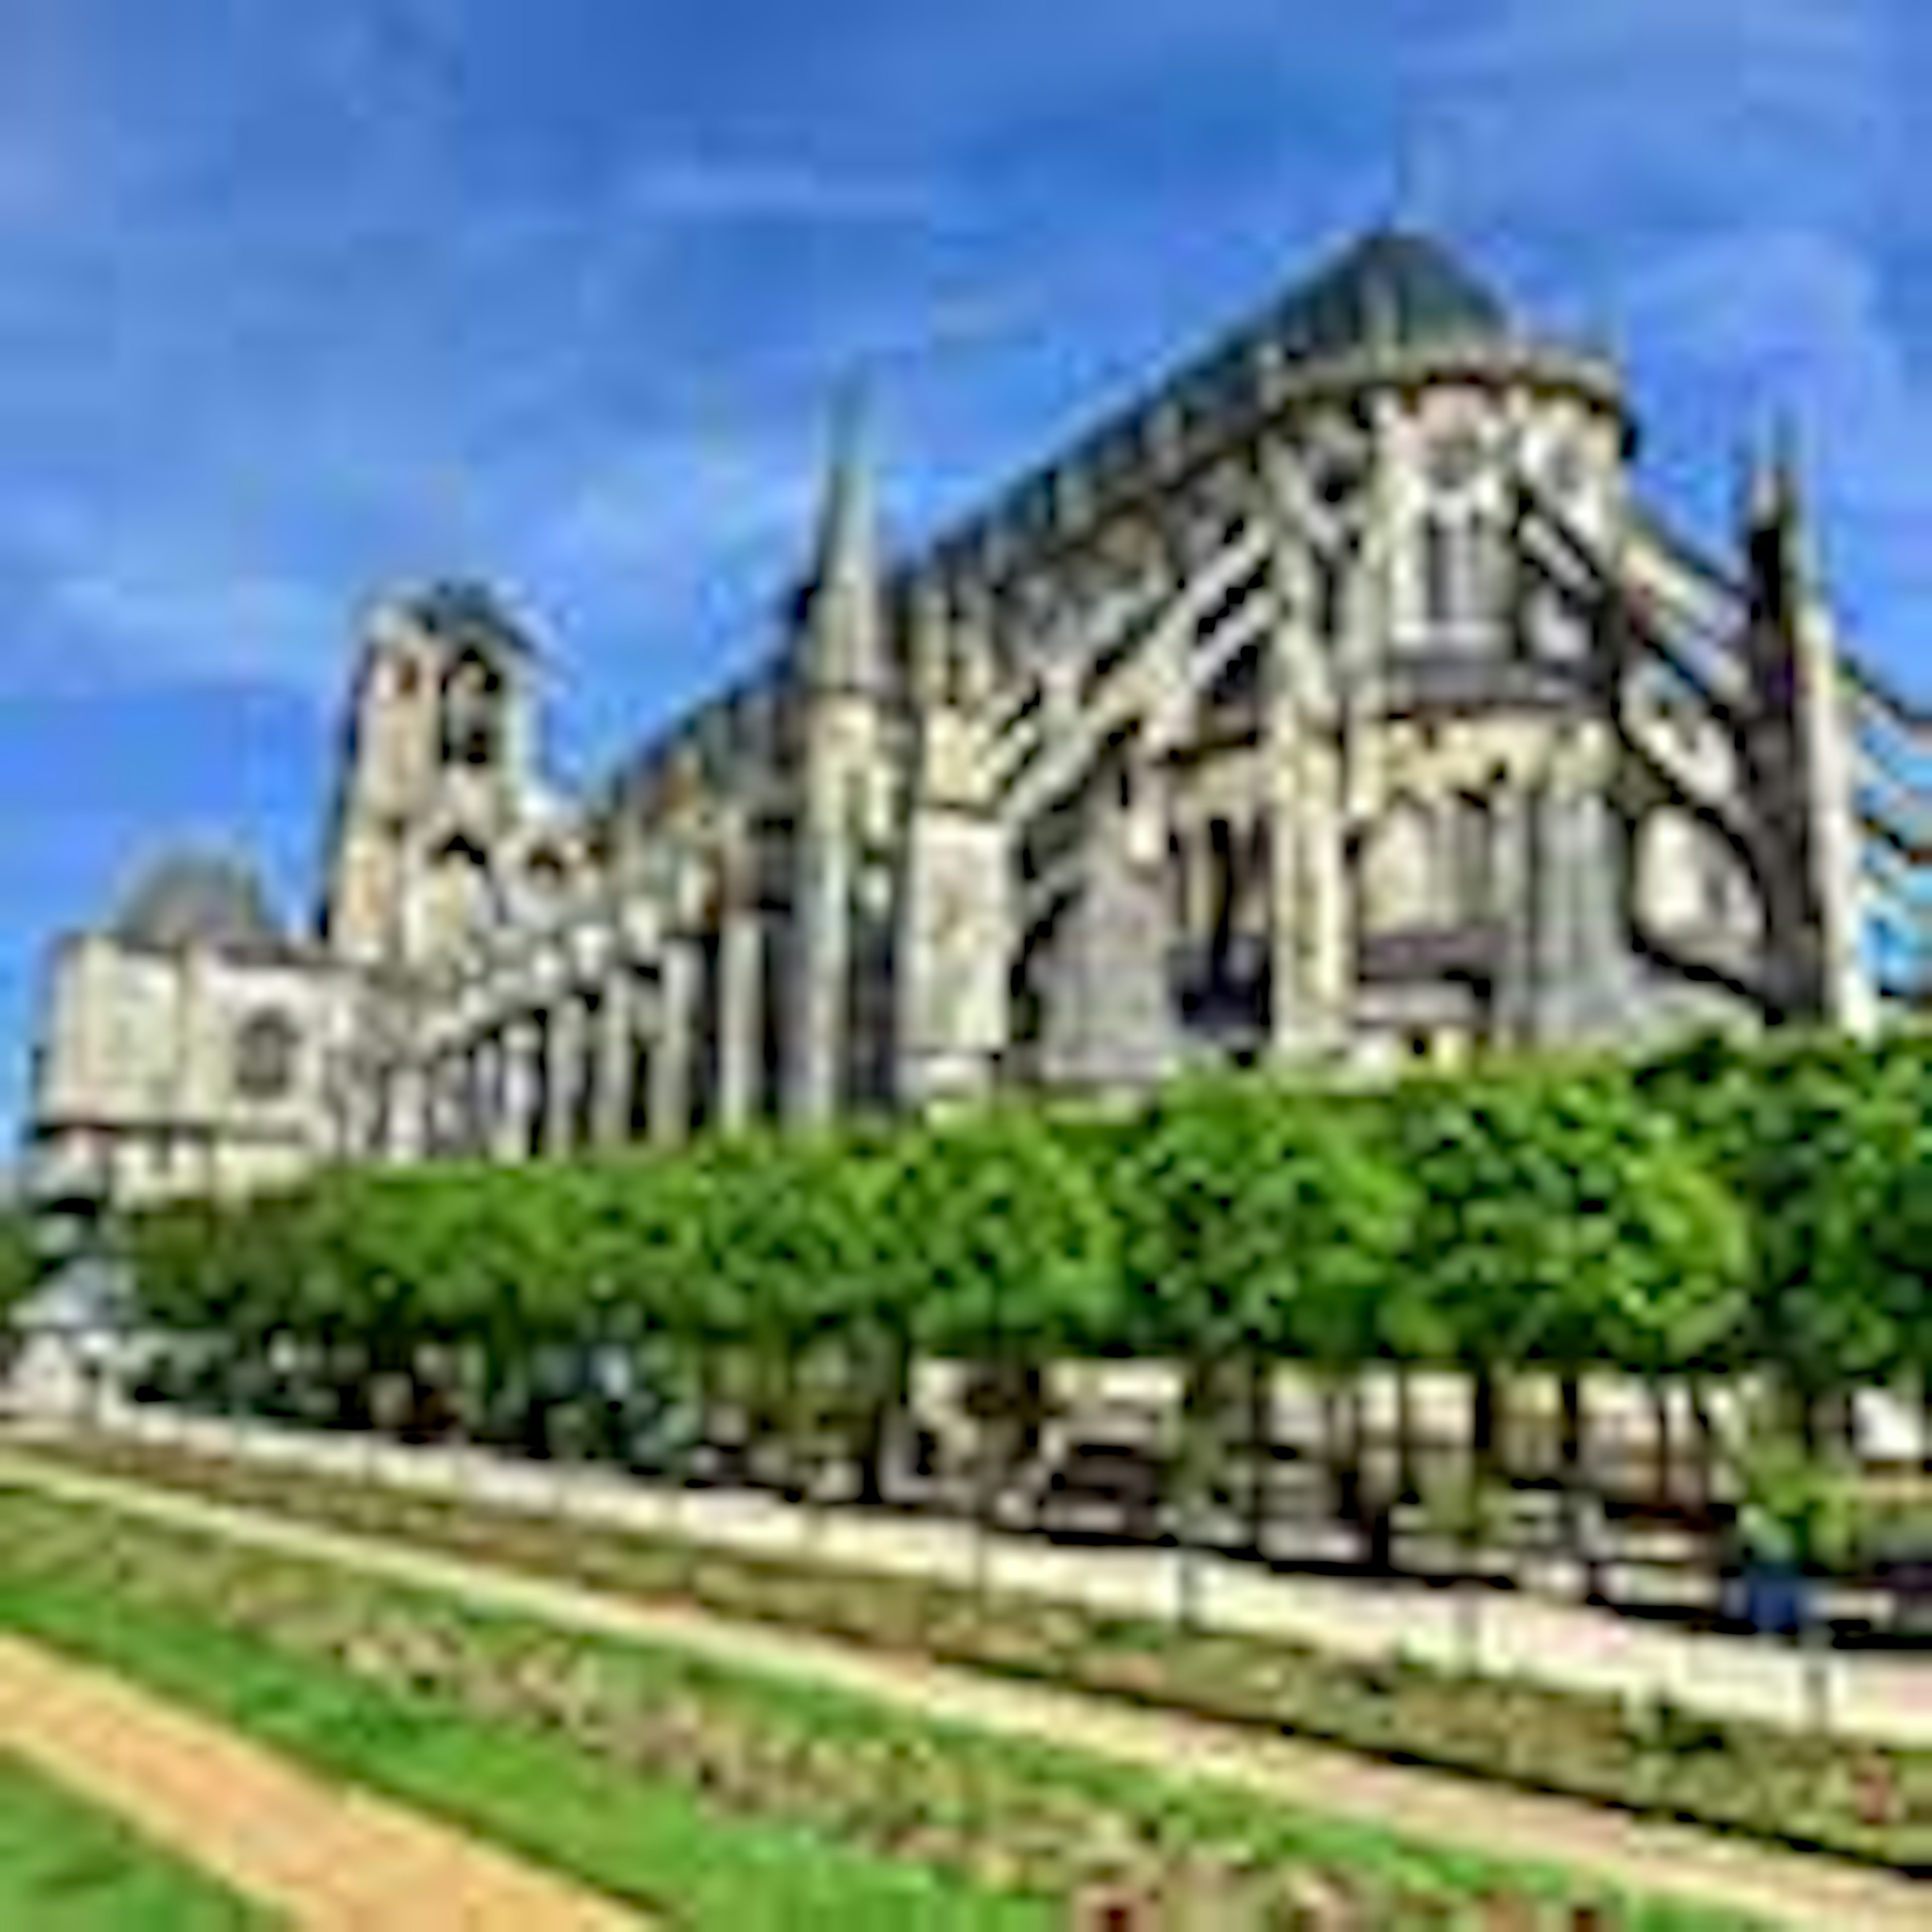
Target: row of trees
x,y
1719,1211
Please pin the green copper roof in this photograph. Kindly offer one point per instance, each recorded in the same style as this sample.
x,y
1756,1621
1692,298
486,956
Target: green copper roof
x,y
197,898
1399,288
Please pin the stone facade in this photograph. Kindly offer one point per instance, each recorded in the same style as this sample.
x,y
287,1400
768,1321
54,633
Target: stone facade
x,y
1340,706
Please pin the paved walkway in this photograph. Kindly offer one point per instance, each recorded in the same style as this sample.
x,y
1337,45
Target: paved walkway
x,y
326,1857
1781,1887
1885,1697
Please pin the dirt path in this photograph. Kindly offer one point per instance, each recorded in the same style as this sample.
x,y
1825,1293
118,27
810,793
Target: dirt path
x,y
330,1859
1782,1888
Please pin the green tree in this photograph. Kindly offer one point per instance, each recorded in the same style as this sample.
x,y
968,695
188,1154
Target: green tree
x,y
20,1269
1565,1218
1469,1509
1263,1224
1004,1229
1800,1509
1896,1219
1795,1128
19,1260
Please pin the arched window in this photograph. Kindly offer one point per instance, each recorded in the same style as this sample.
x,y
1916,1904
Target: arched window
x,y
1331,598
465,893
1732,907
1670,870
266,1044
1462,565
1472,855
1225,884
472,711
547,873
1439,571
1399,875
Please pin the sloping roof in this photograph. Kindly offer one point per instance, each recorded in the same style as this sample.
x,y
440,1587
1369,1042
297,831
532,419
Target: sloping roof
x,y
198,898
1401,287
1389,289
470,615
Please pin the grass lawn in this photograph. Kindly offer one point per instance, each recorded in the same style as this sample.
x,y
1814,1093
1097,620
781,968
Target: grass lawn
x,y
65,1867
708,1796
646,1842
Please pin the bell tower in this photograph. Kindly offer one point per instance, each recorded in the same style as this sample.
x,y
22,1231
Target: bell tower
x,y
434,765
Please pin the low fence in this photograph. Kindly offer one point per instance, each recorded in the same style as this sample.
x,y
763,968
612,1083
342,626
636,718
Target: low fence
x,y
1523,1636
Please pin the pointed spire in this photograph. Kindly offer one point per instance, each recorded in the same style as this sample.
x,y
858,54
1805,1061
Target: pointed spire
x,y
1787,491
1774,520
1773,497
844,644
930,644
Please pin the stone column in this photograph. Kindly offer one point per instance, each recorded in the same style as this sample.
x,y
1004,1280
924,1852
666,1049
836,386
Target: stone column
x,y
1828,747
1324,950
519,1049
457,1101
739,1034
1297,699
567,1028
821,967
429,1103
445,1103
1593,992
615,1051
353,1137
670,1061
1520,890
408,1108
485,1087
1109,1023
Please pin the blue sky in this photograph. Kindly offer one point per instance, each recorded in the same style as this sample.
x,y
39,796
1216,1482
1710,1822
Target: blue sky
x,y
297,300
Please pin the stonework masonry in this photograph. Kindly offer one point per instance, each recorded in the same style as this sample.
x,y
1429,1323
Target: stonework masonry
x,y
1339,706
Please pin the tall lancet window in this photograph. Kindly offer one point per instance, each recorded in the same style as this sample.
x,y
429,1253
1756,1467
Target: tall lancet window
x,y
1439,585
1473,856
1462,568
472,704
1399,877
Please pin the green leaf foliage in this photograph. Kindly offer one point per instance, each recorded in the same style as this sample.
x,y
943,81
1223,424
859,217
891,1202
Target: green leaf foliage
x,y
19,1262
1726,1208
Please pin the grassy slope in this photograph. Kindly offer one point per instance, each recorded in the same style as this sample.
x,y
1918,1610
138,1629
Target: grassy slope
x,y
65,1867
651,1842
